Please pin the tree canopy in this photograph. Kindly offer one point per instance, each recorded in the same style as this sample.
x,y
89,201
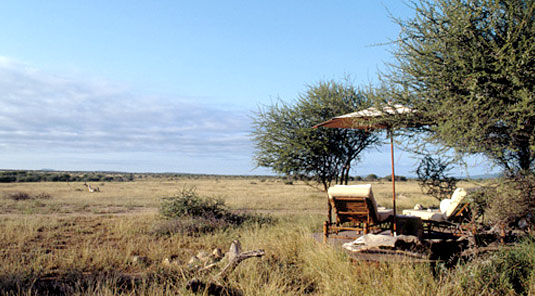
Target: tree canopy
x,y
468,67
286,142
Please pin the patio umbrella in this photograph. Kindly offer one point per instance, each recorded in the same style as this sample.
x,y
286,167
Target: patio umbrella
x,y
370,118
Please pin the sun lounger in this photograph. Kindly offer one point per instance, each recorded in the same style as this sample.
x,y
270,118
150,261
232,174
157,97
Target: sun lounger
x,y
355,209
453,212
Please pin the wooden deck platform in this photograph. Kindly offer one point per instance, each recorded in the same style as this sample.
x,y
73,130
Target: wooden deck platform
x,y
376,255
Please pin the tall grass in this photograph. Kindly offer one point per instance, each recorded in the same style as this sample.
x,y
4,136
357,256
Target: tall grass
x,y
87,254
509,271
35,261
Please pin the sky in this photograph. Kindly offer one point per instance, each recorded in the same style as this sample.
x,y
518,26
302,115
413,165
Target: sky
x,y
172,86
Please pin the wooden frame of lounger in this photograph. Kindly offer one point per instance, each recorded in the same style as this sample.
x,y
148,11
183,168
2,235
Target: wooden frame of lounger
x,y
457,223
354,214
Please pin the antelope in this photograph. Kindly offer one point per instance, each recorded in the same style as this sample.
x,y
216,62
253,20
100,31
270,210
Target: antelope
x,y
91,189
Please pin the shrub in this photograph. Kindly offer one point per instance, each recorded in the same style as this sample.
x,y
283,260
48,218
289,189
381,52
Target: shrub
x,y
19,196
513,199
505,272
189,213
189,203
371,177
7,179
398,178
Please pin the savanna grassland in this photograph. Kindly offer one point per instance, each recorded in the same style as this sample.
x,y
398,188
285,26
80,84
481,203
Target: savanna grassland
x,y
58,238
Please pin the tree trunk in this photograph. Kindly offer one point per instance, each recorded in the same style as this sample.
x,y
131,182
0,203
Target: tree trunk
x,y
347,173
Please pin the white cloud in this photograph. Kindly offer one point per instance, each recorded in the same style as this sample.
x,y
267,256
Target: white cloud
x,y
41,111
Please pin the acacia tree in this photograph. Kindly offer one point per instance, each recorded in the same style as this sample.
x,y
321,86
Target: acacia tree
x,y
468,67
286,142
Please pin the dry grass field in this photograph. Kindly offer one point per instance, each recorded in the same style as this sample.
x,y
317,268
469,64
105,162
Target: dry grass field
x,y
270,195
64,239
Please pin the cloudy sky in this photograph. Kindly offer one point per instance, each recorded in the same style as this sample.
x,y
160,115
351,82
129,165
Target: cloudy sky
x,y
170,86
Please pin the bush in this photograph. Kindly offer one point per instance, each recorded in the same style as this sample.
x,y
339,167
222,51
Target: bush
x,y
505,272
189,213
512,200
398,178
20,196
188,203
7,179
371,177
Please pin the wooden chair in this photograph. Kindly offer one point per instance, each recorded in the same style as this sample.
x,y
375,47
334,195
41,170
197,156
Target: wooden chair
x,y
454,215
355,209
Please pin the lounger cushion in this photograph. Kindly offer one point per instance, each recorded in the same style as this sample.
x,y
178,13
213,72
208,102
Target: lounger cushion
x,y
458,195
364,190
445,205
434,215
353,191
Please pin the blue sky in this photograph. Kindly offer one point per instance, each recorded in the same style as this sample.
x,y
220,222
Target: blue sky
x,y
170,86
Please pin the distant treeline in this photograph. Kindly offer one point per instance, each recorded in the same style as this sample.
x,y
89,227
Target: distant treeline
x,y
20,176
46,176
374,177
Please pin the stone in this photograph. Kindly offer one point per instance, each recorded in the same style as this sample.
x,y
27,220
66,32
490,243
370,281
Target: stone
x,y
141,260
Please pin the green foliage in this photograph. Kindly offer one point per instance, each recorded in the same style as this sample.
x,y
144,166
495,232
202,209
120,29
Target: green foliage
x,y
45,176
371,177
188,213
286,142
506,272
512,200
433,178
468,67
398,178
189,203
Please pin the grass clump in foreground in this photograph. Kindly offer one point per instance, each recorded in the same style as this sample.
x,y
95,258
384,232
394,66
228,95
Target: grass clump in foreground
x,y
189,213
509,271
98,261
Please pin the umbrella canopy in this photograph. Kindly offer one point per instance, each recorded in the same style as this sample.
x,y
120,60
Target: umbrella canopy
x,y
370,119
367,118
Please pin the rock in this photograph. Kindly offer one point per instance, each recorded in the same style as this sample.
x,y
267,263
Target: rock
x,y
194,262
203,255
141,260
169,262
379,240
234,250
217,253
523,224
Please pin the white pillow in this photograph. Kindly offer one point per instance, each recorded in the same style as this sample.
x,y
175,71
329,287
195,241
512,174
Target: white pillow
x,y
445,205
458,195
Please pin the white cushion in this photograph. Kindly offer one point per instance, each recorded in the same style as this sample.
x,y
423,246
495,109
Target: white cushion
x,y
458,195
434,215
364,190
445,205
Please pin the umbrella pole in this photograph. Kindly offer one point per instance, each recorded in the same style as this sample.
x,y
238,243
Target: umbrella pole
x,y
393,182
